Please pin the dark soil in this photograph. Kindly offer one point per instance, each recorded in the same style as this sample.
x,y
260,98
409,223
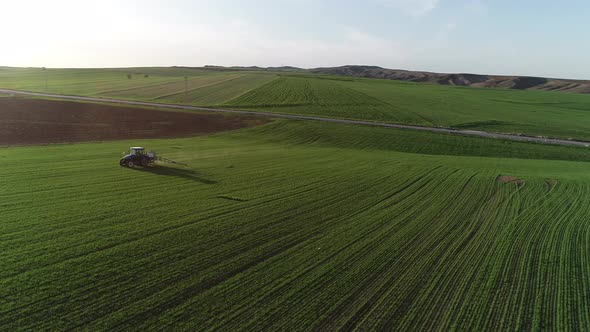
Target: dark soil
x,y
35,121
510,179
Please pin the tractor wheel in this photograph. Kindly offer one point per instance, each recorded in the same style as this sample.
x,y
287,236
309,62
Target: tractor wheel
x,y
130,164
145,162
122,162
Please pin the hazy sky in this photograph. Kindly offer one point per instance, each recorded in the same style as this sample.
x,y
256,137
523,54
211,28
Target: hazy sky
x,y
527,37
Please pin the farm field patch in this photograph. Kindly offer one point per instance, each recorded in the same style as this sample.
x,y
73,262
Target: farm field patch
x,y
217,94
150,84
36,121
535,113
294,225
520,112
163,90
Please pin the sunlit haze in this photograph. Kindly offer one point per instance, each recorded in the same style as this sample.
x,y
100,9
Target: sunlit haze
x,y
541,38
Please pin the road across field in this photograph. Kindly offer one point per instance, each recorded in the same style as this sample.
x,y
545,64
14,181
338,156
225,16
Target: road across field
x,y
478,133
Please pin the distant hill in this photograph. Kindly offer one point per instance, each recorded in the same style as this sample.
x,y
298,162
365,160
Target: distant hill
x,y
464,79
254,68
474,80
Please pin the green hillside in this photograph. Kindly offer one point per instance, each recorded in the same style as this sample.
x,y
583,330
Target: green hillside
x,y
297,226
550,114
495,110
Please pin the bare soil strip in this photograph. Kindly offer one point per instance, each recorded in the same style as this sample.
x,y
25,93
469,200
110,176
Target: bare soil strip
x,y
34,121
510,179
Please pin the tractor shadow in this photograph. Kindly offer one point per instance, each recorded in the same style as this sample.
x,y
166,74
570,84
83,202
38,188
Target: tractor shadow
x,y
176,172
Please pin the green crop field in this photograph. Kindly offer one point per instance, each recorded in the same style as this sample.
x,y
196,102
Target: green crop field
x,y
526,112
298,225
549,114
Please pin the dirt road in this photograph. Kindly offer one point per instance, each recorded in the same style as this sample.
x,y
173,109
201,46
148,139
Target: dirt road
x,y
314,118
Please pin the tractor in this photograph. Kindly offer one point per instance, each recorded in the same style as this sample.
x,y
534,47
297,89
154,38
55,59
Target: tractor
x,y
138,156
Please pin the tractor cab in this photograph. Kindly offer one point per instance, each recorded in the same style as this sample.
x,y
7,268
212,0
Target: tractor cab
x,y
136,151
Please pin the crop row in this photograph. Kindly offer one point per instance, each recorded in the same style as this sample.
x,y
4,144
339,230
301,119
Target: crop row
x,y
530,112
301,231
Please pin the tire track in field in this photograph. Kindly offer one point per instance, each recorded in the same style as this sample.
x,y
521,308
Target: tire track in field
x,y
409,293
303,190
298,238
139,87
375,227
359,314
178,93
366,232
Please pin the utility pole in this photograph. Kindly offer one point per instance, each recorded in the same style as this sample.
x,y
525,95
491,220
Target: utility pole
x,y
45,74
186,88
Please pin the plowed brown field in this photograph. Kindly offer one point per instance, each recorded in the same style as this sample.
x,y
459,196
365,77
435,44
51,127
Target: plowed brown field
x,y
34,121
